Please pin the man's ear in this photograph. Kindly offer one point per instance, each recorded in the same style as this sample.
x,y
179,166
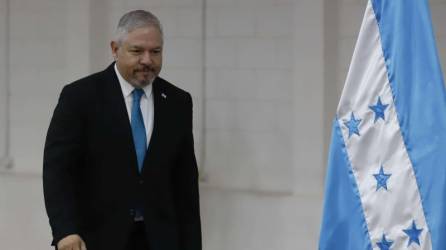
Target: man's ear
x,y
114,48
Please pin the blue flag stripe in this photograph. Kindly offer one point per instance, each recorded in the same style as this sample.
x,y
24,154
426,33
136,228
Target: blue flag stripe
x,y
416,81
343,226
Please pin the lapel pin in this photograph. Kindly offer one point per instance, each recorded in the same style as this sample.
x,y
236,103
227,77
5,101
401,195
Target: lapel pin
x,y
164,95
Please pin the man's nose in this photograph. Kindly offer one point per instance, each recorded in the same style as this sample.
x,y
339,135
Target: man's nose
x,y
146,58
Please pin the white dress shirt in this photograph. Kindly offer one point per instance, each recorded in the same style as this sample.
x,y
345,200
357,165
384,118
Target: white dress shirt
x,y
147,109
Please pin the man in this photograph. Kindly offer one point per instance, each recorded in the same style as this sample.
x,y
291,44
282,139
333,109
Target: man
x,y
119,166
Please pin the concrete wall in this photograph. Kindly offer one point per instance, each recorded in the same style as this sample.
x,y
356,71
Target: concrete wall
x,y
265,76
4,79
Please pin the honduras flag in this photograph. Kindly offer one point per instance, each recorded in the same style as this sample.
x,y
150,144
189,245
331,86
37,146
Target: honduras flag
x,y
386,180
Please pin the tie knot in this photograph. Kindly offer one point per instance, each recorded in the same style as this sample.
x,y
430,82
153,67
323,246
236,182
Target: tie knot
x,y
137,93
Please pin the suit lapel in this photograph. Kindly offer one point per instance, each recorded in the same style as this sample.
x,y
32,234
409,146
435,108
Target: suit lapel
x,y
159,104
115,104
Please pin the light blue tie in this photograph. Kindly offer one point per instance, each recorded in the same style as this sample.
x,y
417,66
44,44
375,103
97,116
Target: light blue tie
x,y
138,129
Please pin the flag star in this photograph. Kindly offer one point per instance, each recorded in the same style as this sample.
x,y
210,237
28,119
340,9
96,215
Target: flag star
x,y
384,244
379,109
381,179
413,233
352,125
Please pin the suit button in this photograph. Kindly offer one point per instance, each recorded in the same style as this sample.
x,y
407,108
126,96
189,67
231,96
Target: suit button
x,y
132,212
141,182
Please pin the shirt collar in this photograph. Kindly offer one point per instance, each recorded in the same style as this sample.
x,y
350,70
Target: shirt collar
x,y
127,88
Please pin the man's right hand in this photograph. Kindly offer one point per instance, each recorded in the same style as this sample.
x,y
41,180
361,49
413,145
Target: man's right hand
x,y
71,242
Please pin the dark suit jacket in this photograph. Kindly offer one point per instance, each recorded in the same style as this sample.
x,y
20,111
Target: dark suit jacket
x,y
90,177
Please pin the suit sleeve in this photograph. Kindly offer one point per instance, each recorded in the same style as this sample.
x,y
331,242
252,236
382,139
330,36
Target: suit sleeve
x,y
62,156
186,189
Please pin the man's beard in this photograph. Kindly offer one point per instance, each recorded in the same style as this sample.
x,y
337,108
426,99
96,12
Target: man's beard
x,y
145,81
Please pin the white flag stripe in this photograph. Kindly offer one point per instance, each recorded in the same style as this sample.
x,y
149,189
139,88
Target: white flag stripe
x,y
379,144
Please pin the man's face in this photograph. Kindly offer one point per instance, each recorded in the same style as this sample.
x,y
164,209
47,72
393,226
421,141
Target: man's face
x,y
139,56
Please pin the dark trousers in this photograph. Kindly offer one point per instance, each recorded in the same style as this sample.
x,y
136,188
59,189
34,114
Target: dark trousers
x,y
137,238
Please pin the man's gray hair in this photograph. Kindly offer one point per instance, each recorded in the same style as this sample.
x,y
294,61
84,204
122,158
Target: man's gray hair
x,y
133,20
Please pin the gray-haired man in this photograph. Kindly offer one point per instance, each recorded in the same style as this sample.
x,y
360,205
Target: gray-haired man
x,y
119,166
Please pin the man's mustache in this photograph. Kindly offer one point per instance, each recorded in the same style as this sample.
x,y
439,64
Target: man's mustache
x,y
144,69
